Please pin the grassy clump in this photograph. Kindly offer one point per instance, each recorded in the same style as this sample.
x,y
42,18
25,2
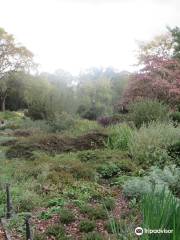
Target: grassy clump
x,y
9,115
174,152
111,225
56,230
108,170
93,236
175,116
82,126
89,155
94,212
39,236
6,139
61,122
120,229
87,226
109,203
66,216
161,211
119,137
98,213
148,145
34,126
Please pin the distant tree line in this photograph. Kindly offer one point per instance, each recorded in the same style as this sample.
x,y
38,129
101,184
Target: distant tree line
x,y
94,92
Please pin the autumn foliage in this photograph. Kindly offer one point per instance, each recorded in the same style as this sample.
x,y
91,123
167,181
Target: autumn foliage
x,y
158,79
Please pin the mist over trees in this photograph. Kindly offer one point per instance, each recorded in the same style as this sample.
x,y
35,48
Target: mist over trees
x,y
94,92
13,58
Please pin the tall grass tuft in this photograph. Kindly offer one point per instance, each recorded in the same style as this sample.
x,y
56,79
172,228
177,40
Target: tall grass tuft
x,y
119,137
161,211
149,144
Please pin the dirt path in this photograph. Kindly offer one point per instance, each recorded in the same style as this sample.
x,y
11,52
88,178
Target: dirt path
x,y
2,235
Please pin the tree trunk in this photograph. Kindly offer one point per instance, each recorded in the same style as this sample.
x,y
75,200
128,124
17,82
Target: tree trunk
x,y
3,95
2,104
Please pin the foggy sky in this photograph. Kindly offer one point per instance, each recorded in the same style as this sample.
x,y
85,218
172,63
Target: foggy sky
x,y
77,34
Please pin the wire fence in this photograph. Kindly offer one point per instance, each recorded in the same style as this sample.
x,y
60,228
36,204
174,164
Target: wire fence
x,y
8,213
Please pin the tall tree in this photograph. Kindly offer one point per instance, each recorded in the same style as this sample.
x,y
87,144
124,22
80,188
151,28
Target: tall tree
x,y
161,46
159,78
13,57
175,32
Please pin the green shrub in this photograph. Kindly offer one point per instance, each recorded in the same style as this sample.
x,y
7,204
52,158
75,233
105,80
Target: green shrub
x,y
175,116
39,236
6,139
78,169
16,222
94,212
8,115
87,226
90,113
168,178
56,202
85,209
136,187
82,126
88,155
108,170
109,203
98,213
115,168
121,230
56,230
66,216
45,215
93,236
161,211
61,122
83,191
38,110
106,121
148,145
40,125
143,112
21,151
120,180
25,200
119,137
112,226
174,152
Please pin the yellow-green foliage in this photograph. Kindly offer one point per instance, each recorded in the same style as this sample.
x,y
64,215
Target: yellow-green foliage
x,y
12,119
148,145
7,115
146,111
119,136
82,126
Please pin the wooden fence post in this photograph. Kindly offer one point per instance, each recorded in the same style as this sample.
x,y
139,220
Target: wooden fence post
x,y
8,202
28,228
